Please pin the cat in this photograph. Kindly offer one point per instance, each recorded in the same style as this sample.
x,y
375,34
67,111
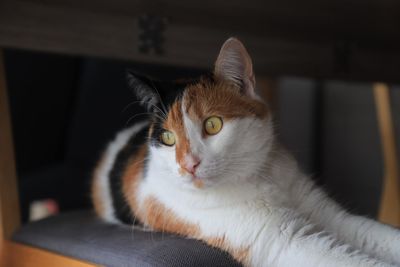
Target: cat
x,y
207,165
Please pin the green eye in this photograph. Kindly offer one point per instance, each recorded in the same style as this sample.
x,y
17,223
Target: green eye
x,y
168,138
213,125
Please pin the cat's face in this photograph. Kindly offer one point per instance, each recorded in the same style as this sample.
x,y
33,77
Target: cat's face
x,y
213,131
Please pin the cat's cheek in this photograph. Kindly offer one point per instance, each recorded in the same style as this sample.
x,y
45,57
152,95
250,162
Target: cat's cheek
x,y
166,157
219,143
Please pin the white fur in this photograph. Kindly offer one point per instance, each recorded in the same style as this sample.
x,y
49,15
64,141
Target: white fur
x,y
102,177
256,197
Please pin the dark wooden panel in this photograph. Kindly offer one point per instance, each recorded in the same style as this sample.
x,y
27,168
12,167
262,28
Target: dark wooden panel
x,y
70,30
65,28
370,23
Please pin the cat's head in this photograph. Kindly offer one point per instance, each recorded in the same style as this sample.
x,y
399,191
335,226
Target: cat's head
x,y
211,131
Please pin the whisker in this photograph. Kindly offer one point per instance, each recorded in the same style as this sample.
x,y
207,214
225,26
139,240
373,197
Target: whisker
x,y
161,101
129,105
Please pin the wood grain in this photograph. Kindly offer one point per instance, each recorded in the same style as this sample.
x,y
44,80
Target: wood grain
x,y
110,29
18,255
308,20
389,211
9,205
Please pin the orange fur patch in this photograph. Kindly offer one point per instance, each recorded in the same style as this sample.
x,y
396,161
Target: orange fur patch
x,y
154,214
203,100
160,218
174,122
198,183
131,177
151,212
97,199
241,254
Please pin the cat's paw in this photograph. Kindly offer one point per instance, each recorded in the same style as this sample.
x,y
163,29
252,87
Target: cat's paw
x,y
395,250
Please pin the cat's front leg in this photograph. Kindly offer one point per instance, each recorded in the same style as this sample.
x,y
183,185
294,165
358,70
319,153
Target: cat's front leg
x,y
287,239
377,239
369,236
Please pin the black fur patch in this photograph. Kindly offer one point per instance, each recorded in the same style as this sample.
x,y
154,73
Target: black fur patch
x,y
170,92
121,208
144,90
151,93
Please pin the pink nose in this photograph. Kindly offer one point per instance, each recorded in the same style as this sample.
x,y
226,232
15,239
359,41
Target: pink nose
x,y
191,163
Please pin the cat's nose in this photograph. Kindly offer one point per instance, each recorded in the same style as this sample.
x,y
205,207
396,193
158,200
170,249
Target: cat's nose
x,y
191,163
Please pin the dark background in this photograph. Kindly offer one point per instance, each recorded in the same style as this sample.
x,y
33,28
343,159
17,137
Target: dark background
x,y
65,108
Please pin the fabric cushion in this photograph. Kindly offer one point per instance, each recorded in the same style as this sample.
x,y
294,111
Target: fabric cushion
x,y
80,234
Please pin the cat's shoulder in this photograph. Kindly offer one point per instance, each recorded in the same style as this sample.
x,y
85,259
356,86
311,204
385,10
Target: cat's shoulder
x,y
107,176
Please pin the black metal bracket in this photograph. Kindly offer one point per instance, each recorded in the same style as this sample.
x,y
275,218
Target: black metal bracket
x,y
151,34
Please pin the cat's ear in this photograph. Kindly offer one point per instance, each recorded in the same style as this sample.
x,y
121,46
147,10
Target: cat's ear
x,y
234,65
144,90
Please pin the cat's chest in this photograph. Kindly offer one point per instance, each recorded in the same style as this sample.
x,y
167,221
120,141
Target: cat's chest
x,y
235,215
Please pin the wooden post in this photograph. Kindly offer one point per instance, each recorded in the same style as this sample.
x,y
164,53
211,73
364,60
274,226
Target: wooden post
x,y
19,255
9,204
389,211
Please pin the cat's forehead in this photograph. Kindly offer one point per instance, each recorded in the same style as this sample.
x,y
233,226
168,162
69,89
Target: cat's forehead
x,y
194,102
201,98
205,99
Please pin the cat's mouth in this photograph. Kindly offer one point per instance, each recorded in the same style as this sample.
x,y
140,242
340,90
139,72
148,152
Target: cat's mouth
x,y
195,180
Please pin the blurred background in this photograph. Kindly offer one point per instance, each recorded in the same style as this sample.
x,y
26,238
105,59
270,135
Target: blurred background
x,y
315,62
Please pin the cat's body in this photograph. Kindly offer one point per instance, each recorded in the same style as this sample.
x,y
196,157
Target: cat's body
x,y
232,185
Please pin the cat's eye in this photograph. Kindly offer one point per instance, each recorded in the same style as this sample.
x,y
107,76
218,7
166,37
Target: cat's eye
x,y
168,138
213,125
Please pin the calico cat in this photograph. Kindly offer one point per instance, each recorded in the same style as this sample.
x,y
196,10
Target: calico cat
x,y
207,166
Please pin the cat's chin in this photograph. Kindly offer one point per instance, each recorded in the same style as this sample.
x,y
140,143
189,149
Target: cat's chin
x,y
194,182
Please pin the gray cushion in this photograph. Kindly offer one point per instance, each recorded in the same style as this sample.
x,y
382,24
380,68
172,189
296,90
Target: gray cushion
x,y
81,235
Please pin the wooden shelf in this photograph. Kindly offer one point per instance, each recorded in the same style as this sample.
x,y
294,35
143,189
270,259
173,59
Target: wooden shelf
x,y
334,39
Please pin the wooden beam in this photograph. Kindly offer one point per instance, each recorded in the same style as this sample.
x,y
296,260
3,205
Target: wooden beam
x,y
309,20
389,211
105,31
9,205
18,255
79,32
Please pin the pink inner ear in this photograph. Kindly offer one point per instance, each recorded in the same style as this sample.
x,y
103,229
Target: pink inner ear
x,y
234,65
